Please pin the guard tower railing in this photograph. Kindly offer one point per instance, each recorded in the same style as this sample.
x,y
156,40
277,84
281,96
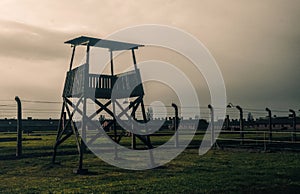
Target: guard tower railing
x,y
101,85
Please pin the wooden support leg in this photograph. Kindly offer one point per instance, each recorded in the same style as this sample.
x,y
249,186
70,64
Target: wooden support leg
x,y
63,126
59,130
152,163
133,136
115,128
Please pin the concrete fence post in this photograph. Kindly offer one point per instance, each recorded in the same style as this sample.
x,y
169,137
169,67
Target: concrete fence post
x,y
19,128
176,125
294,125
270,123
212,124
241,124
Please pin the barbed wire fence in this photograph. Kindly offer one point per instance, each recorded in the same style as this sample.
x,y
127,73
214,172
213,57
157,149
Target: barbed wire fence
x,y
256,132
30,109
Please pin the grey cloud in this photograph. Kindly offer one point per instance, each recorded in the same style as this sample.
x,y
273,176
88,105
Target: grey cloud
x,y
256,43
20,40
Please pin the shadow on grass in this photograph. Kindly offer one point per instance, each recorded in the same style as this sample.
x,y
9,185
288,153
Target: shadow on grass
x,y
40,154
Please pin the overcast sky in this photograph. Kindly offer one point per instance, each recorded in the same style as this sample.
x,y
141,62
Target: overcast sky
x,y
255,43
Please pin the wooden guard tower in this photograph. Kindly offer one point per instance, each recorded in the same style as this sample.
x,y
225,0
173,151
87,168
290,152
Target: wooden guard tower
x,y
83,86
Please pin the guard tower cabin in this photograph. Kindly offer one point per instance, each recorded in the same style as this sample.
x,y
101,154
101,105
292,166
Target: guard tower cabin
x,y
101,84
83,85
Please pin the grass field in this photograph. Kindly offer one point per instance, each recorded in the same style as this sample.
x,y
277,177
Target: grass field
x,y
218,171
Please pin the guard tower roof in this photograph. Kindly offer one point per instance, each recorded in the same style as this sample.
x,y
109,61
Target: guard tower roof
x,y
102,43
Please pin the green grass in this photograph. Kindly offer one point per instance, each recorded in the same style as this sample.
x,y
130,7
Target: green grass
x,y
218,171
